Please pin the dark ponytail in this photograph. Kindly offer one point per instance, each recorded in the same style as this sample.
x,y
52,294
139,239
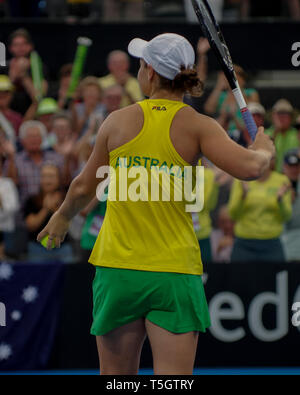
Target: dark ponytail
x,y
187,81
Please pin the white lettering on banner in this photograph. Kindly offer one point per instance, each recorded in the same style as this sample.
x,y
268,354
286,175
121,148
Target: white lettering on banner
x,y
235,310
219,313
2,314
296,316
296,56
280,300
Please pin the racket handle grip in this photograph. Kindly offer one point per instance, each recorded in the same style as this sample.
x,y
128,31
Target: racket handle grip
x,y
249,122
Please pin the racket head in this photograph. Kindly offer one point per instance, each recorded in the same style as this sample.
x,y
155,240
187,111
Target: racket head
x,y
212,32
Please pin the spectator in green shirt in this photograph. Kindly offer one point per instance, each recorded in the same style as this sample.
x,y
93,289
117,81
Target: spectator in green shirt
x,y
291,235
260,209
94,213
222,104
284,134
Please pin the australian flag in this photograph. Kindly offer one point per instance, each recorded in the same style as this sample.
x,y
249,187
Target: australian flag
x,y
30,298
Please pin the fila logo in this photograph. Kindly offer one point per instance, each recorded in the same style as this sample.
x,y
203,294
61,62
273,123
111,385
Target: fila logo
x,y
158,108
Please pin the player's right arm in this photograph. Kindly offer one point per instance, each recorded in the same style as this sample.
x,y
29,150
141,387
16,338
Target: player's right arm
x,y
242,163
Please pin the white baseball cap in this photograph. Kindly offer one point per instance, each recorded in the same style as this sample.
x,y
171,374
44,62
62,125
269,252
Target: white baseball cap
x,y
166,53
256,108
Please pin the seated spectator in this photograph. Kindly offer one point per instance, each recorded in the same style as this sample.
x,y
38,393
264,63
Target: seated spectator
x,y
224,181
94,217
239,134
112,99
260,209
202,220
222,95
258,112
222,238
291,234
91,94
84,146
284,134
14,119
9,205
38,210
118,65
63,139
222,103
58,89
21,46
129,10
24,167
62,135
45,111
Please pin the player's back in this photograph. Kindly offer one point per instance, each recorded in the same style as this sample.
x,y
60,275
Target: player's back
x,y
147,226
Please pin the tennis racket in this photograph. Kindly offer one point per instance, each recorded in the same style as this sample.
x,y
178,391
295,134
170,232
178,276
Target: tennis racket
x,y
212,32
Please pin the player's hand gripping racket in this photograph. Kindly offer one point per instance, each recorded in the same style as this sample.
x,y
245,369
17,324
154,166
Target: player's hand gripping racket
x,y
212,31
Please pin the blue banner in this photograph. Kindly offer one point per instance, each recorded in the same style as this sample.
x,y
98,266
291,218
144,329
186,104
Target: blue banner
x,y
30,296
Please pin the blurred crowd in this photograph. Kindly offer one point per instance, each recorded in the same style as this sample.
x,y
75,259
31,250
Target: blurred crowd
x,y
137,10
45,142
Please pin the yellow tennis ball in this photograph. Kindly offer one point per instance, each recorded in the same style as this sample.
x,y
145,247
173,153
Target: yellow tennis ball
x,y
44,242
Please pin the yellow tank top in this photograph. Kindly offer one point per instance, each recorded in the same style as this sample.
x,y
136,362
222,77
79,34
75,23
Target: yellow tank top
x,y
155,236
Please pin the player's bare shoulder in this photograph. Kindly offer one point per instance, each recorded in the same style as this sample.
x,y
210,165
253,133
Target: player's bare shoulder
x,y
129,113
123,125
195,122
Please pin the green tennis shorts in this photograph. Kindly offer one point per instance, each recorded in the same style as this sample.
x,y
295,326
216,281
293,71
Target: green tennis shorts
x,y
173,301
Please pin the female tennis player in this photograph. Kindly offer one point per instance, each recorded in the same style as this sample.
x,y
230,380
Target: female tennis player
x,y
148,262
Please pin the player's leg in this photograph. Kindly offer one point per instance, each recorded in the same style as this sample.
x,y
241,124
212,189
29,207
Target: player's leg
x,y
172,353
120,350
